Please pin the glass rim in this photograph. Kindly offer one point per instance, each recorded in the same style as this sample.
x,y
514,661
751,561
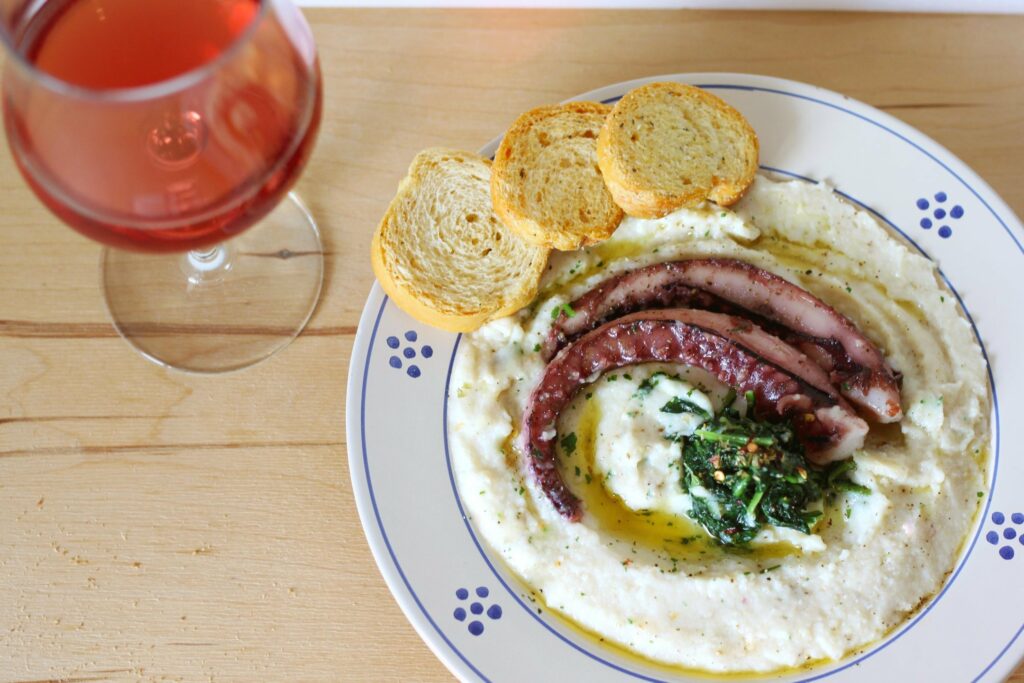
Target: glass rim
x,y
149,91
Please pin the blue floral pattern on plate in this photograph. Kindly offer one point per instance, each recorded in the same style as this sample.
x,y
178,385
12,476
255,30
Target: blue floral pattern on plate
x,y
1006,534
407,353
476,609
936,211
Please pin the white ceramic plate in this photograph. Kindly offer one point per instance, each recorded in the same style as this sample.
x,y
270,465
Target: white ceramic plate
x,y
472,612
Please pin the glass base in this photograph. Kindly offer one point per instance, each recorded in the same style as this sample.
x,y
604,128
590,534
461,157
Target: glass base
x,y
224,308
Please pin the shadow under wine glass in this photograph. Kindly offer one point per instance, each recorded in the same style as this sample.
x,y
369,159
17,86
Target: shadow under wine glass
x,y
165,129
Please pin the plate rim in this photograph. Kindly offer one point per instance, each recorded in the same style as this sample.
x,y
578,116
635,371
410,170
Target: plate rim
x,y
377,301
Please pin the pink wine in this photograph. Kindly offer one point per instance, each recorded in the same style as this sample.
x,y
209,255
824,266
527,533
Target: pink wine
x,y
185,121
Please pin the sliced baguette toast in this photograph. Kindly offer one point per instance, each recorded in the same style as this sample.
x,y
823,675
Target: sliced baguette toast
x,y
668,145
545,182
441,252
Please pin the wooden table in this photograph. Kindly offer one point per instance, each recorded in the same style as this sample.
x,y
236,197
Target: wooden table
x,y
165,527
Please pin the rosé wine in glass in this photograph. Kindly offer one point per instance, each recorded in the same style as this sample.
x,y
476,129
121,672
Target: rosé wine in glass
x,y
169,126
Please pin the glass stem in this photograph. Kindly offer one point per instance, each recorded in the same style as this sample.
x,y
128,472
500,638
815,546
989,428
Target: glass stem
x,y
204,266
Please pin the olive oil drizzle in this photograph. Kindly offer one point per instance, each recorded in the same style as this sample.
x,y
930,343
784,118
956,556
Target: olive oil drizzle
x,y
675,540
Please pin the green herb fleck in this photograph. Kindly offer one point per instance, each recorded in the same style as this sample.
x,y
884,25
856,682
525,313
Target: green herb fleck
x,y
846,485
562,308
679,405
568,443
647,386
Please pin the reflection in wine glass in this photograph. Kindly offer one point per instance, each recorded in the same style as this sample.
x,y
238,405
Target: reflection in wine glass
x,y
165,129
176,142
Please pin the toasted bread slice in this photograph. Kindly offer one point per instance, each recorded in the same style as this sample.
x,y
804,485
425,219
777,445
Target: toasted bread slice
x,y
441,252
668,145
545,182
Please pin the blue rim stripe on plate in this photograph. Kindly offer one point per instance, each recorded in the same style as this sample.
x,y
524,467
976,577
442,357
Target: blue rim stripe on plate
x,y
373,498
513,594
999,656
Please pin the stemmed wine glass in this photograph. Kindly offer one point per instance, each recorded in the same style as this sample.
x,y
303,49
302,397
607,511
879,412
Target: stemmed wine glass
x,y
164,129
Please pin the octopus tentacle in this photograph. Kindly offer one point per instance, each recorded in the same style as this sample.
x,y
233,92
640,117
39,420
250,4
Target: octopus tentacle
x,y
735,287
785,383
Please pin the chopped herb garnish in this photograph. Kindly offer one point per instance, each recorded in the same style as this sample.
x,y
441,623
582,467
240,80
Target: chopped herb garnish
x,y
742,473
536,348
837,470
568,443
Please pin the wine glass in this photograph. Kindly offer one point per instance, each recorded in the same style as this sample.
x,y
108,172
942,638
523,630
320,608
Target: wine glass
x,y
164,129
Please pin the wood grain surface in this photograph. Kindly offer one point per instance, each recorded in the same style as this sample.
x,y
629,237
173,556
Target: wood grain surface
x,y
164,527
